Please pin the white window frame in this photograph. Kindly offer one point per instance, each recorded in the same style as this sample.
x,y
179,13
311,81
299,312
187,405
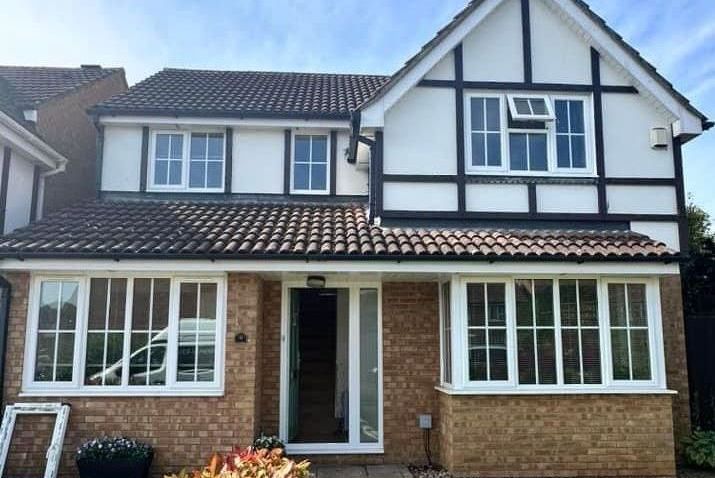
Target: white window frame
x,y
549,116
459,333
443,357
327,135
77,388
185,161
551,160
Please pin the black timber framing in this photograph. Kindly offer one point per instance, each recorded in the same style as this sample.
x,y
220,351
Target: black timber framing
x,y
228,165
532,199
286,160
459,109
100,157
333,161
4,181
35,193
517,86
683,233
378,166
556,216
526,40
143,167
515,179
598,130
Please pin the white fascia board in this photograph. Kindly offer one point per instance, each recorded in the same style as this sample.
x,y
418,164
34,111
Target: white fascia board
x,y
20,139
372,116
200,121
341,266
689,123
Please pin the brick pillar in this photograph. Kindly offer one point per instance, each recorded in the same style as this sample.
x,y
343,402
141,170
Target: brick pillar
x,y
243,368
20,284
676,366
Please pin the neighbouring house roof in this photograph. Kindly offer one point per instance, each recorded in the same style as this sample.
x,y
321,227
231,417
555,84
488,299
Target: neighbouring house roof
x,y
36,84
8,102
234,230
244,93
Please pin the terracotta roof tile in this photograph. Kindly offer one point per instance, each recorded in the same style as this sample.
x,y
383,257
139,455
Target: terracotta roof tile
x,y
236,230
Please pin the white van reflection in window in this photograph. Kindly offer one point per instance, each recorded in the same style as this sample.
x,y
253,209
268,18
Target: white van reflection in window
x,y
195,358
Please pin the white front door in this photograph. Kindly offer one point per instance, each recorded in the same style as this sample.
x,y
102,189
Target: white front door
x,y
331,368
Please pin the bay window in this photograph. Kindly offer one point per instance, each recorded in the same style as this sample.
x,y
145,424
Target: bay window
x,y
125,335
187,161
528,134
551,334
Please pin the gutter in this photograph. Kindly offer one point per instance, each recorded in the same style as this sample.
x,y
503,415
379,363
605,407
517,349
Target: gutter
x,y
5,292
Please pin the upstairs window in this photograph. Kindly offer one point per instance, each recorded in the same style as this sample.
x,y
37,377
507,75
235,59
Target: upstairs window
x,y
527,134
188,161
310,164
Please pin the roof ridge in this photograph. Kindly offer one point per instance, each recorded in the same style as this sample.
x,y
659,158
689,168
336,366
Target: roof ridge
x,y
76,68
274,72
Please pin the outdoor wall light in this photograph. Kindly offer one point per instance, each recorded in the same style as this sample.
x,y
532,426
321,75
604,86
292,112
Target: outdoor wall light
x,y
315,282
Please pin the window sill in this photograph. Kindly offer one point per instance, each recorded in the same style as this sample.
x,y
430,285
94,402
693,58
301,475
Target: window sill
x,y
123,393
558,174
333,449
557,391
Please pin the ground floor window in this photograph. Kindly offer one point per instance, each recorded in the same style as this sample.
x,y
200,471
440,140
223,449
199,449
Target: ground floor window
x,y
556,333
125,335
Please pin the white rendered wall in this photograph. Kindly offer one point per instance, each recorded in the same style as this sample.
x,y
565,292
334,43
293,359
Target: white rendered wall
x,y
258,160
566,198
666,232
641,200
121,161
420,197
350,180
443,70
19,193
497,197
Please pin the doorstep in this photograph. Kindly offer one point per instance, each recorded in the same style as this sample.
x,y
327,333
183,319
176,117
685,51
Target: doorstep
x,y
360,471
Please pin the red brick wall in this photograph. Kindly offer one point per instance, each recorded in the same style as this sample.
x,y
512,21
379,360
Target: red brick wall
x,y
558,435
184,431
63,122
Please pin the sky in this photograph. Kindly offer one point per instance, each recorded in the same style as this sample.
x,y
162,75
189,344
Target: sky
x,y
345,36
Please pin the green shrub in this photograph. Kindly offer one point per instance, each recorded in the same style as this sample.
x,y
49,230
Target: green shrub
x,y
268,442
700,449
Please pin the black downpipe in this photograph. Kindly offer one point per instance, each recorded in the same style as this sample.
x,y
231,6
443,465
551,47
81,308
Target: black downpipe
x,y
5,291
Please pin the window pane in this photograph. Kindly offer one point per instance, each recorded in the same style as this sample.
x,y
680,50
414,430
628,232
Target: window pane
x,y
97,303
637,311
537,152
571,356
197,332
546,350
475,305
215,146
302,148
568,306
68,305
300,176
45,357
105,338
160,310
493,120
517,152
576,108
494,149
446,331
525,351
320,149
562,119
117,303
497,354
524,309
177,146
497,304
208,301
544,294
538,106
188,305
161,172
214,171
205,363
619,352
617,304
478,114
318,177
197,174
140,304
522,106
578,151
49,296
175,173
563,152
478,151
588,302
591,344
369,372
640,354
162,146
198,146
477,355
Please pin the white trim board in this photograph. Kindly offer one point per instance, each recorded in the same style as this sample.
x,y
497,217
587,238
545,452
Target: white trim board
x,y
478,266
183,121
54,451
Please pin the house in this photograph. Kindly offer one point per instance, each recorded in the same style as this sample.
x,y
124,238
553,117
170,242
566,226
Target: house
x,y
27,163
53,102
478,256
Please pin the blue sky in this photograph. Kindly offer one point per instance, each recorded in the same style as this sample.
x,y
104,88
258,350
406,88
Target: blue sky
x,y
357,36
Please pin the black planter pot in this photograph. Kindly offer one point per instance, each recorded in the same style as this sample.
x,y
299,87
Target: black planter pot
x,y
114,468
